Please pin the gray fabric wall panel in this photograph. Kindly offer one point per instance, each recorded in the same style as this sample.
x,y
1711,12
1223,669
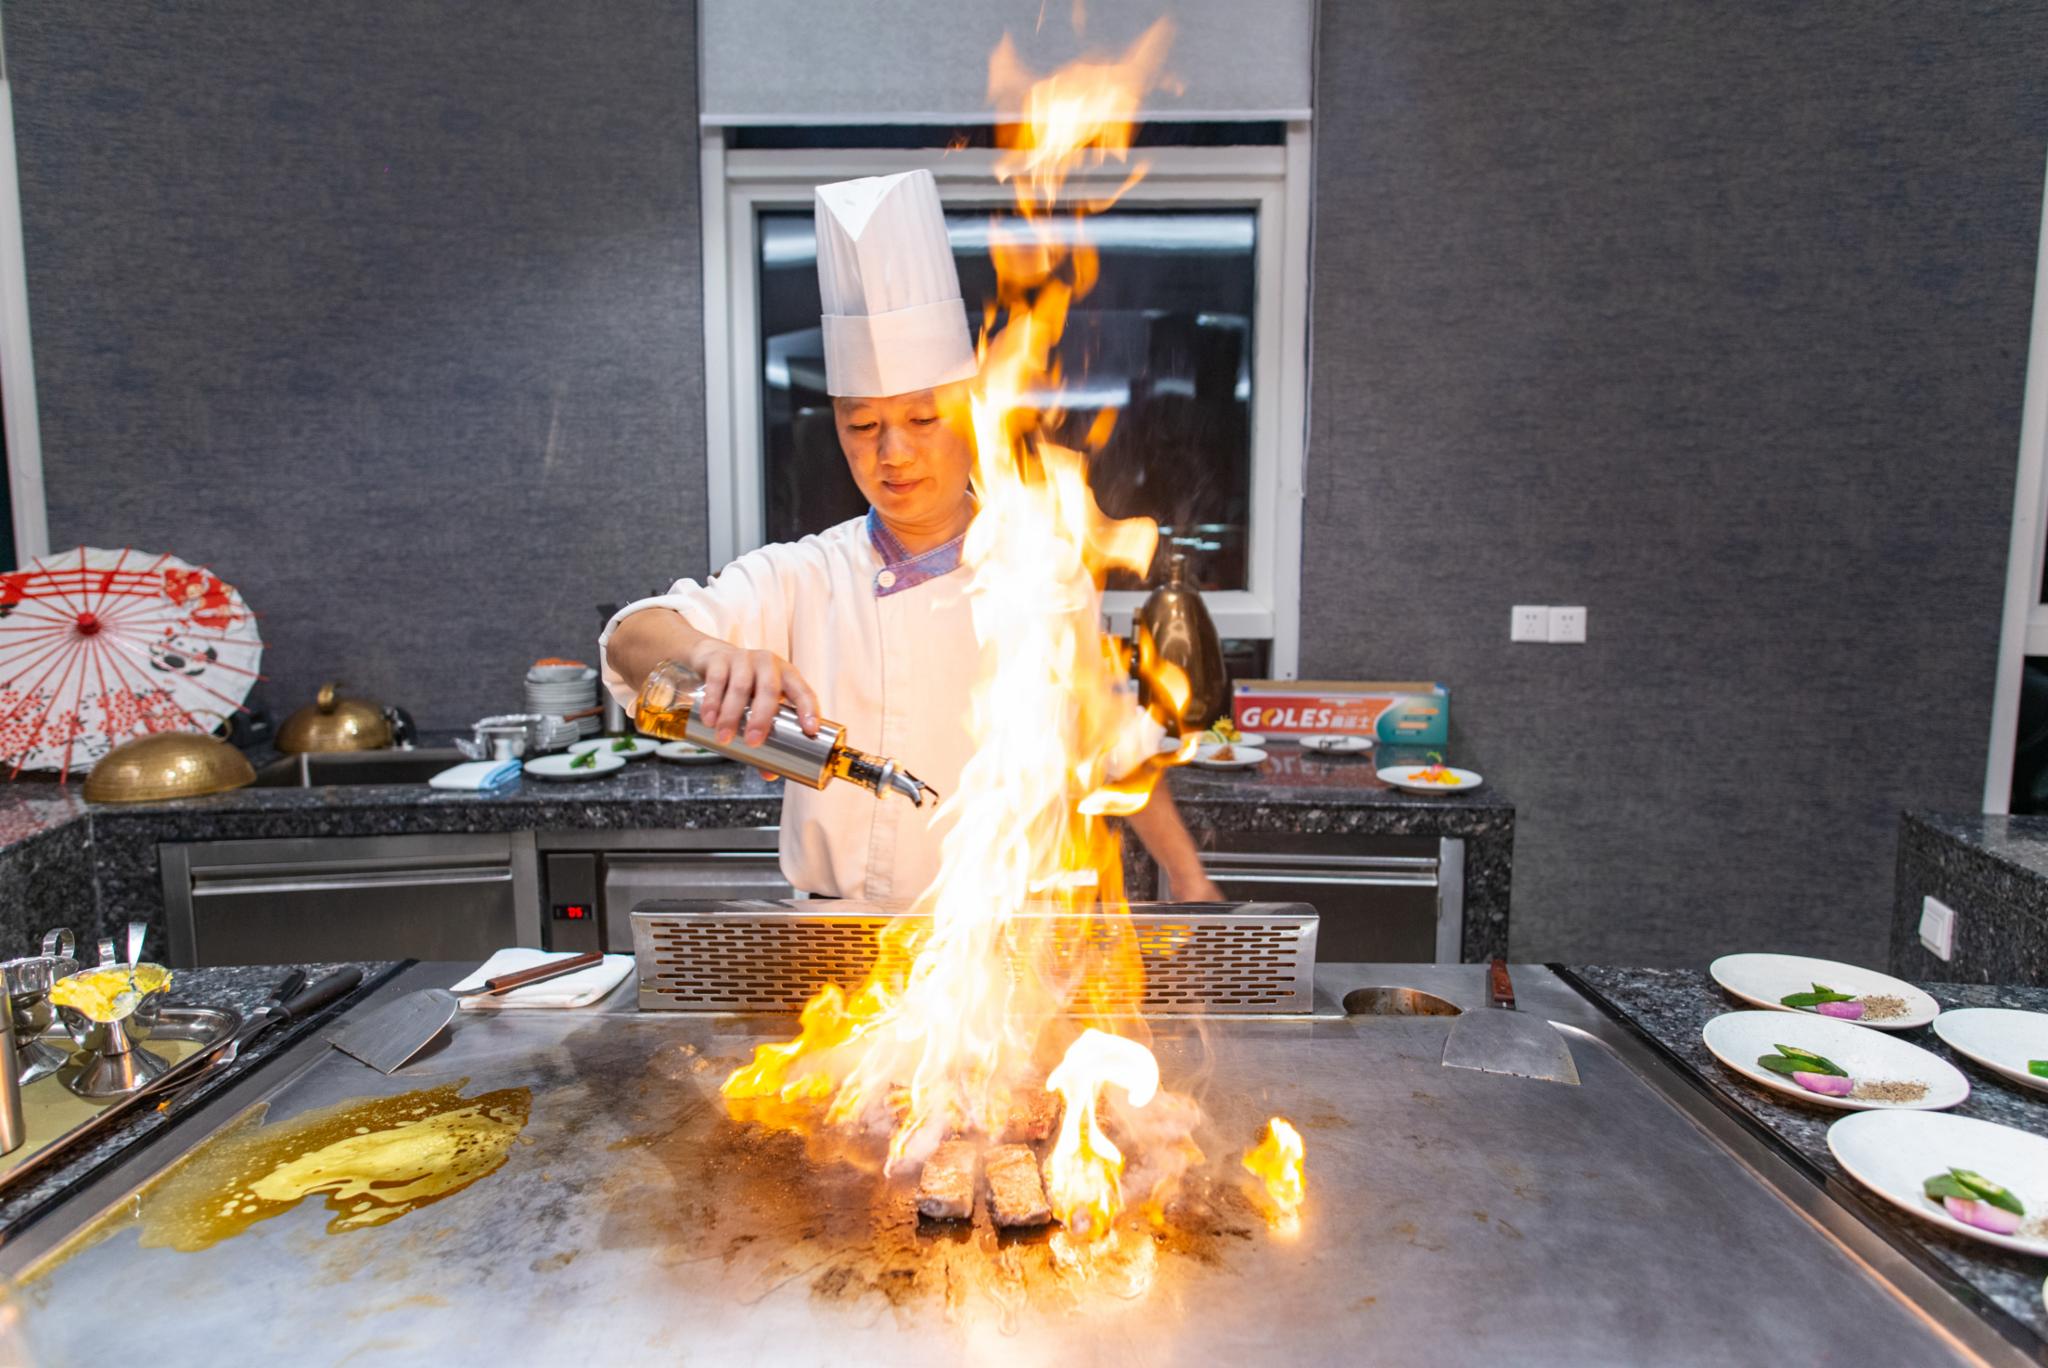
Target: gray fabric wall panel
x,y
390,313
1713,319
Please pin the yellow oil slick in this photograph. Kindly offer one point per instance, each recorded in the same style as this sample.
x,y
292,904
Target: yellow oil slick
x,y
372,1160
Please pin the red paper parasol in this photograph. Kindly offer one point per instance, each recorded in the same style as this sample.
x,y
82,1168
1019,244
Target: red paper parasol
x,y
97,646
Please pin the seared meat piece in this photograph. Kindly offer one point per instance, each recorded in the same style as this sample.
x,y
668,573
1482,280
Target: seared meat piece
x,y
945,1190
1016,1192
1034,1116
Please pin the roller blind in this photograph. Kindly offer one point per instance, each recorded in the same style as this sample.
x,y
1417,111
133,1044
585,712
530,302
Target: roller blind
x,y
926,61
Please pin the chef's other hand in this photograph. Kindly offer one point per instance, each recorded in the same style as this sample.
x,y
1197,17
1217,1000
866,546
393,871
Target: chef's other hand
x,y
1196,888
751,685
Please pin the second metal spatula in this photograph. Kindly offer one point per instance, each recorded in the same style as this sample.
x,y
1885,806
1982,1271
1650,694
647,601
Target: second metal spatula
x,y
1498,1039
397,1031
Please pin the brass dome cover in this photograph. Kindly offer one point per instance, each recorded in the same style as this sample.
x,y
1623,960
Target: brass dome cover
x,y
334,723
167,765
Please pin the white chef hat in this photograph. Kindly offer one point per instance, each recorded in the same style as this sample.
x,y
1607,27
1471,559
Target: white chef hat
x,y
893,320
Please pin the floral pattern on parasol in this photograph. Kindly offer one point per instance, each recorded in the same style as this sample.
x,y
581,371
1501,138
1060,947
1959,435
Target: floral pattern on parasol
x,y
97,646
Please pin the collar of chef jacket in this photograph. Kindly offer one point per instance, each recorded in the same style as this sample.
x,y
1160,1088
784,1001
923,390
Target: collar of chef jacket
x,y
901,570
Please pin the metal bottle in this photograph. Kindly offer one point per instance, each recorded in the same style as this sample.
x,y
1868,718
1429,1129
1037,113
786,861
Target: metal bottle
x,y
1183,633
667,707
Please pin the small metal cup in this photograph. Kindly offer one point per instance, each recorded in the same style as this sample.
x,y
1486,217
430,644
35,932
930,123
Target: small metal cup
x,y
111,1059
27,982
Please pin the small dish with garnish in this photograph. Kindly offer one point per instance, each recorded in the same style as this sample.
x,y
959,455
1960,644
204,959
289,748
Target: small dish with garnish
x,y
1832,1063
591,764
1434,777
1829,988
2011,1043
1231,756
625,747
1970,1177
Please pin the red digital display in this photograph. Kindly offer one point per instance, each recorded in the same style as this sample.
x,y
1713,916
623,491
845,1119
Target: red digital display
x,y
572,912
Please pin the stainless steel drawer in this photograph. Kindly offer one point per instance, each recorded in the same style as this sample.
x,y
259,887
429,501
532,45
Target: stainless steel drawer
x,y
376,897
694,875
1391,899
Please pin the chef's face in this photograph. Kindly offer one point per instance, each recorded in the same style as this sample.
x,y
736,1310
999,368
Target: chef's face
x,y
911,455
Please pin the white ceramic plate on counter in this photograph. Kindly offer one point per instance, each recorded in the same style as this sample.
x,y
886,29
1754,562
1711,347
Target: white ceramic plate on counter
x,y
1894,1154
687,753
1404,777
642,746
1763,979
559,766
2002,1039
1236,755
1337,745
1739,1039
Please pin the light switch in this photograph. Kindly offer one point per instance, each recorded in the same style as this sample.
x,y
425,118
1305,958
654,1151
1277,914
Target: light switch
x,y
1937,927
1531,622
1568,625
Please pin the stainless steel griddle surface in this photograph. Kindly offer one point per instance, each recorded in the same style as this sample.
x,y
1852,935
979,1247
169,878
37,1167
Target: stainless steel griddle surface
x,y
1453,1218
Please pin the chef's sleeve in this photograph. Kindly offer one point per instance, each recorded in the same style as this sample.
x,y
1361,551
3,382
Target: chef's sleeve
x,y
1139,739
747,604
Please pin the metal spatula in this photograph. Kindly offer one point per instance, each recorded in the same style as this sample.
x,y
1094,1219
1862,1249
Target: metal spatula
x,y
397,1031
1499,1039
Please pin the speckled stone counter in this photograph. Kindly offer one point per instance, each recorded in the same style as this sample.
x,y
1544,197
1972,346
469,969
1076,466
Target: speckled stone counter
x,y
1671,1005
241,990
93,868
1994,872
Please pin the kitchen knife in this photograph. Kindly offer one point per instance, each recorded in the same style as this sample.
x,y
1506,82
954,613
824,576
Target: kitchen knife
x,y
1499,1039
397,1031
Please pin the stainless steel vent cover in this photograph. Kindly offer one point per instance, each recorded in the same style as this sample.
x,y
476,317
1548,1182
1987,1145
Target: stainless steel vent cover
x,y
1238,958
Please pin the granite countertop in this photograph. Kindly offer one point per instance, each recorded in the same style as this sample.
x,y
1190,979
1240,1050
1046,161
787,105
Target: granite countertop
x,y
1671,1005
2018,842
241,989
658,793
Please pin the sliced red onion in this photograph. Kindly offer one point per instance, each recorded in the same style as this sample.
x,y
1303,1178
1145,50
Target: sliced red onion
x,y
1982,1215
1831,1085
1848,1011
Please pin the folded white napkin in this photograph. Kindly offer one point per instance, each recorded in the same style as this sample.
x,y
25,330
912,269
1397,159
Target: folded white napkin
x,y
579,989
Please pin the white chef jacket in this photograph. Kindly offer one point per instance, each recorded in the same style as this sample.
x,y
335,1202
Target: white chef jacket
x,y
886,639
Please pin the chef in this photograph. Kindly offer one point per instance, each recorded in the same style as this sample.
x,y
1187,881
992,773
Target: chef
x,y
867,622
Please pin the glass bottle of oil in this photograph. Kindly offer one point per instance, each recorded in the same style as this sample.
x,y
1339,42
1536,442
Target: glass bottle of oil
x,y
667,707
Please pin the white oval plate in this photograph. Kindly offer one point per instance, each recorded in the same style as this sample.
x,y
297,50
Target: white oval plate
x,y
1738,1039
1337,745
2002,1039
642,746
557,767
687,753
1892,1154
1403,777
1242,756
1763,979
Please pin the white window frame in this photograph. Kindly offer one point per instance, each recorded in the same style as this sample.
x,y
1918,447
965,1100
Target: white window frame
x,y
2024,631
1273,180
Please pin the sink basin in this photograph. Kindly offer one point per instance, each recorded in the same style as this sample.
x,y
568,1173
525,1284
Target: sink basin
x,y
313,770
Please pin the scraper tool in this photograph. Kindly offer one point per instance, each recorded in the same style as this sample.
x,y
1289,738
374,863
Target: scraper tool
x,y
397,1031
1499,1039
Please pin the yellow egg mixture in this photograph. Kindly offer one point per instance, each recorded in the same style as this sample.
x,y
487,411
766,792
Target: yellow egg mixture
x,y
109,994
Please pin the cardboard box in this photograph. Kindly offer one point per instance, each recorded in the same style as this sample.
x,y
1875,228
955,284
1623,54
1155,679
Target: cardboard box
x,y
1399,714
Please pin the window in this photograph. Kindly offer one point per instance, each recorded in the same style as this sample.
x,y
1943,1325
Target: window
x,y
1195,334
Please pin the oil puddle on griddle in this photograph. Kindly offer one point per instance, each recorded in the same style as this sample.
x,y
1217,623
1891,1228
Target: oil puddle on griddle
x,y
372,1159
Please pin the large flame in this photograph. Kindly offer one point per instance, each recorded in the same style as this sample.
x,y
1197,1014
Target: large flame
x,y
1024,935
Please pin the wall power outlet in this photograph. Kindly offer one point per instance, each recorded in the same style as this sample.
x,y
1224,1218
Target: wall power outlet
x,y
1937,927
1531,622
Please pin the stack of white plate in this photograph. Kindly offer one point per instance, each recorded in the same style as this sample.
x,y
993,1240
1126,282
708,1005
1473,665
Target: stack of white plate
x,y
564,689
